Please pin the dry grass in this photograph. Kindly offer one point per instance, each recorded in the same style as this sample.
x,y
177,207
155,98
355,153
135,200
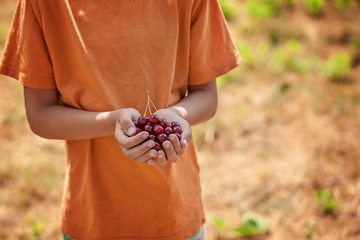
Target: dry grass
x,y
283,131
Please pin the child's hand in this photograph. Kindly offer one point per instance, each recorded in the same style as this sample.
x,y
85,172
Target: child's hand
x,y
132,145
173,148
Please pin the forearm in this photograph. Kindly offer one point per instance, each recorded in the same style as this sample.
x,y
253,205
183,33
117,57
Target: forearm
x,y
59,122
50,120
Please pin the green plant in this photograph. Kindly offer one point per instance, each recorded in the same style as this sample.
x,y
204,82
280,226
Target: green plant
x,y
284,88
338,66
326,201
356,42
219,223
228,10
289,58
252,224
246,53
274,37
314,6
33,231
344,4
259,8
222,80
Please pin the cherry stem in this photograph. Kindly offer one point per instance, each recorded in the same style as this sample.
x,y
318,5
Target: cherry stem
x,y
149,100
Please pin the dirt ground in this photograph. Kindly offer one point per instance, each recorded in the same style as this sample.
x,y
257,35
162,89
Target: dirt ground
x,y
281,135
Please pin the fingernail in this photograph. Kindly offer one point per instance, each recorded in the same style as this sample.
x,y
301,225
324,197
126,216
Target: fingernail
x,y
166,145
131,130
151,162
152,154
151,144
185,142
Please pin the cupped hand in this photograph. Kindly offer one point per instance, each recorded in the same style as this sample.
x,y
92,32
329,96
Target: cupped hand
x,y
134,146
173,147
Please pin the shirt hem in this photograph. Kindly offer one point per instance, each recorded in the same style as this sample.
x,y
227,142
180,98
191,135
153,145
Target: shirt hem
x,y
221,69
188,231
23,79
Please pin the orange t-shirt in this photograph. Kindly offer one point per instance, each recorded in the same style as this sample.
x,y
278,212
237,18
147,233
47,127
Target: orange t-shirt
x,y
103,55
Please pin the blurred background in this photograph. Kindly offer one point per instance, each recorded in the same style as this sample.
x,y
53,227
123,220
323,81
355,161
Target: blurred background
x,y
280,160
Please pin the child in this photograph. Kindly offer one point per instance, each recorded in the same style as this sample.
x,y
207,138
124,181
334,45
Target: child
x,y
86,66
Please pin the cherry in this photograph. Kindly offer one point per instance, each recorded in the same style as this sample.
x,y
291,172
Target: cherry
x,y
142,121
158,129
138,130
168,130
152,137
135,123
148,128
162,137
173,124
154,119
177,129
163,122
157,146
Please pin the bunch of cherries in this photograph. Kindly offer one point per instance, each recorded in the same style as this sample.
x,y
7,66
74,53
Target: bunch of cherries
x,y
158,128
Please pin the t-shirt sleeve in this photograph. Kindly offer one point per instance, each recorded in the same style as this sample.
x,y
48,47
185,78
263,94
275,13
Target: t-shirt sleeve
x,y
26,56
212,50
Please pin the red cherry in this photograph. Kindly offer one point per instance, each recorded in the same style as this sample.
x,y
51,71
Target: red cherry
x,y
162,137
142,121
158,129
177,129
173,124
148,128
157,146
135,122
138,130
154,119
152,137
168,130
163,122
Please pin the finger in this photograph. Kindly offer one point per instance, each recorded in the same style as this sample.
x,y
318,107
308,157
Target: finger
x,y
127,142
171,155
186,134
179,149
150,162
147,157
161,159
126,120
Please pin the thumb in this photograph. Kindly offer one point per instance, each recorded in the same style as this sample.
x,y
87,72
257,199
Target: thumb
x,y
186,135
126,121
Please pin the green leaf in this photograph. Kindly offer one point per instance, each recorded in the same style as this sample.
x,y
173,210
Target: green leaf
x,y
356,42
228,10
219,223
252,224
246,53
314,6
338,66
284,87
322,194
326,201
259,8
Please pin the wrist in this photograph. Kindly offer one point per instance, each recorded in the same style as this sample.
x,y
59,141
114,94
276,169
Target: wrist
x,y
180,111
108,120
